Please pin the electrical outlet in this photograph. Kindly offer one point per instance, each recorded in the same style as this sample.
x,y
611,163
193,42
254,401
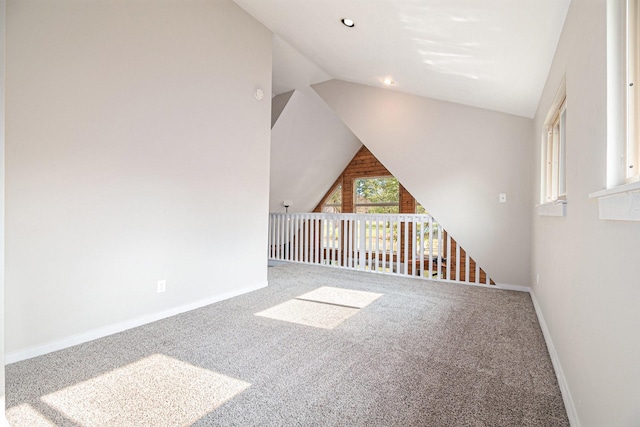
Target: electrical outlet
x,y
502,197
162,286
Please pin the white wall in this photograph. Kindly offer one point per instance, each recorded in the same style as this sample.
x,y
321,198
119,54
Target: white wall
x,y
310,147
135,151
589,272
454,160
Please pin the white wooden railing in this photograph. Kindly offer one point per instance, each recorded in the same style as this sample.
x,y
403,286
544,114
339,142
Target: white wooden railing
x,y
402,244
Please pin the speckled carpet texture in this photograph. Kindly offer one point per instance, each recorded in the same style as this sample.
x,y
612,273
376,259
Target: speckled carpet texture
x,y
317,347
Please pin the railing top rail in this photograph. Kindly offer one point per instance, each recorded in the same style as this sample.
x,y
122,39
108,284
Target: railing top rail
x,y
349,215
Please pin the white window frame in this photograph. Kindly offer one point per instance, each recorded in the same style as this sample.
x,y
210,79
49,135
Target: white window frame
x,y
632,83
553,175
619,199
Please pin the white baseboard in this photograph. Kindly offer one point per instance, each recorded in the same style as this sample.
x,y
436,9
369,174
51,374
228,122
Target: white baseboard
x,y
508,287
572,414
503,286
122,326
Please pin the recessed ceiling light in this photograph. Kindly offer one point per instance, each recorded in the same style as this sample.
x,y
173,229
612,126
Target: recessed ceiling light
x,y
348,22
388,81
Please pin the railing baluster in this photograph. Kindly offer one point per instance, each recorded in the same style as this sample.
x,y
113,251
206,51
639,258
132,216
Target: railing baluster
x,y
336,235
300,233
329,255
310,239
466,267
274,240
440,252
406,246
361,243
377,243
351,242
276,221
458,261
317,243
301,238
396,243
392,252
421,250
330,237
430,247
421,253
294,237
448,256
279,237
305,239
285,241
270,239
340,242
335,255
414,245
384,245
322,233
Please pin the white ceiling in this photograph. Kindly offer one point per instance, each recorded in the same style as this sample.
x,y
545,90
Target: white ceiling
x,y
492,54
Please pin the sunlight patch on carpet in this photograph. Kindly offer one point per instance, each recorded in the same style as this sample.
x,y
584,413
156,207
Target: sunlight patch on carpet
x,y
308,313
155,391
26,416
339,296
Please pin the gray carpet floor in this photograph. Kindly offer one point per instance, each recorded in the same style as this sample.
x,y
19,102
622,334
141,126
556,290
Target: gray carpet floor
x,y
398,352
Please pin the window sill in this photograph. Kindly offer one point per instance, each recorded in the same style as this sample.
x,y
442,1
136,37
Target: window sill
x,y
620,203
555,208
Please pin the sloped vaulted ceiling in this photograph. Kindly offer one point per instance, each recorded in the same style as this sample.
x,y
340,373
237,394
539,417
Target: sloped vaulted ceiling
x,y
493,54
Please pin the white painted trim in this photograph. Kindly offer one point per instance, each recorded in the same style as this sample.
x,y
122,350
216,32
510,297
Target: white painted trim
x,y
123,326
572,414
508,287
633,186
499,286
621,203
561,95
556,208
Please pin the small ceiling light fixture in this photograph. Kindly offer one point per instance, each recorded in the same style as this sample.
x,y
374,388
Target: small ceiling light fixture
x,y
388,81
348,22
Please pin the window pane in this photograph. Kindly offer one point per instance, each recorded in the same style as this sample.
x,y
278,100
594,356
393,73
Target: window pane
x,y
555,161
562,186
336,197
377,195
553,178
549,167
377,190
333,204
